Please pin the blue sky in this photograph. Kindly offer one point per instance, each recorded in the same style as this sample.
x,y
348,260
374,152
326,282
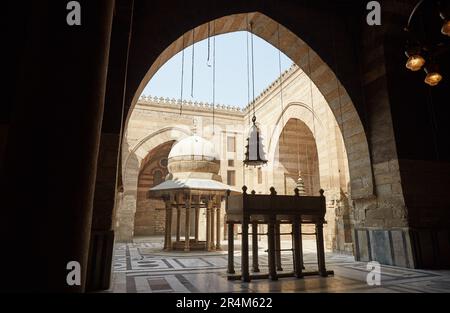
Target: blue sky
x,y
231,71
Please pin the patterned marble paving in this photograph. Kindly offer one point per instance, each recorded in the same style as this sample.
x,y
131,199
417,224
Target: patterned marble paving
x,y
141,267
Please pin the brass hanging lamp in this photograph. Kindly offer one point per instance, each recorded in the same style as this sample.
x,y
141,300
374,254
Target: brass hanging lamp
x,y
254,151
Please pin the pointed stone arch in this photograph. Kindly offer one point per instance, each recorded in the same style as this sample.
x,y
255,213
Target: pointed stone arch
x,y
325,80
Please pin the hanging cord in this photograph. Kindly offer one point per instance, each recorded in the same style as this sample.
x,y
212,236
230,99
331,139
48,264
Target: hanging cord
x,y
336,64
193,62
214,80
182,79
313,114
298,151
209,45
253,72
311,91
281,80
248,71
248,79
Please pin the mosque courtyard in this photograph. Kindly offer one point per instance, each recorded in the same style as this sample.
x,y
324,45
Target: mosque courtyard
x,y
143,267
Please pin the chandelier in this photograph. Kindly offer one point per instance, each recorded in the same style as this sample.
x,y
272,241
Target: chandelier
x,y
425,44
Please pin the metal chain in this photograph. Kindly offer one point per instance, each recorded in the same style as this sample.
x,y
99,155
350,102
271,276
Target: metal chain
x,y
182,79
193,62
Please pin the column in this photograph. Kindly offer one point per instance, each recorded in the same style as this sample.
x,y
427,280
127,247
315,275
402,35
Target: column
x,y
320,250
208,227
298,247
197,217
231,248
166,227
218,229
271,247
255,247
74,58
169,214
244,251
178,223
213,232
278,246
187,228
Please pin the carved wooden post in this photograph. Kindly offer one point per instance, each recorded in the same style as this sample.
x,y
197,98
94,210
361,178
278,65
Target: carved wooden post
x,y
320,250
230,240
278,245
298,246
271,247
319,241
271,240
244,245
255,247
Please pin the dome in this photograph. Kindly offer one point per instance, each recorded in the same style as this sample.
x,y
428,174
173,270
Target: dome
x,y
194,147
194,157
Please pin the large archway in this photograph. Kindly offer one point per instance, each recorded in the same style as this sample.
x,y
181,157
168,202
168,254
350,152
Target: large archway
x,y
150,215
367,205
316,69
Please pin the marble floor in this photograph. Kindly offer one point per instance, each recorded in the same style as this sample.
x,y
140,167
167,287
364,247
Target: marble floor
x,y
142,267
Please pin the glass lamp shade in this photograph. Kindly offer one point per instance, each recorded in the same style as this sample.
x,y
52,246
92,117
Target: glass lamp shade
x,y
445,30
415,62
255,155
433,78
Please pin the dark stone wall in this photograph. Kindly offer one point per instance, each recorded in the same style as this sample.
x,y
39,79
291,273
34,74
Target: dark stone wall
x,y
55,106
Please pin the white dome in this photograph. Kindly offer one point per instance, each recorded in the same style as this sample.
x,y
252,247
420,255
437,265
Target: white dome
x,y
194,147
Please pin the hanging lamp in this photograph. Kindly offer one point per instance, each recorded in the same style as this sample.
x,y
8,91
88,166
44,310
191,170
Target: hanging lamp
x,y
425,46
254,151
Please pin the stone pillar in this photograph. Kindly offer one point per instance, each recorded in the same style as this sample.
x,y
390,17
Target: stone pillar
x,y
218,224
213,227
208,226
187,228
197,217
169,214
166,228
178,224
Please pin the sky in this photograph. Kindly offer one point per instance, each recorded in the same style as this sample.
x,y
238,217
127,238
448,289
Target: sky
x,y
231,71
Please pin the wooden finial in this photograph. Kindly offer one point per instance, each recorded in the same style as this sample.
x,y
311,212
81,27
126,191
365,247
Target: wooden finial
x,y
244,189
297,192
321,192
253,192
273,192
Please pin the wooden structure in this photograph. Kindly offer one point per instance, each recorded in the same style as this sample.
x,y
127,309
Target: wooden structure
x,y
274,210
